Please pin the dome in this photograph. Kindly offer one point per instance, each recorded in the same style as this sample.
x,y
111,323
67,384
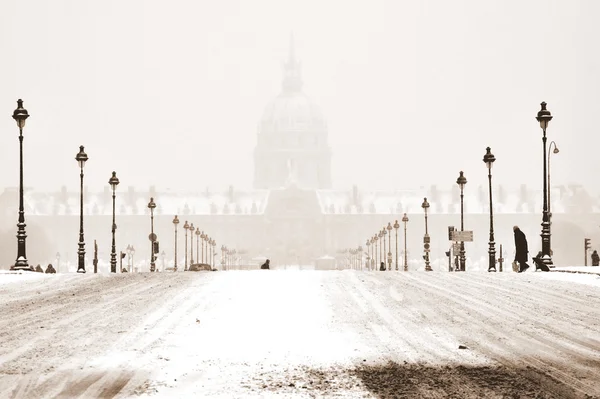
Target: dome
x,y
292,111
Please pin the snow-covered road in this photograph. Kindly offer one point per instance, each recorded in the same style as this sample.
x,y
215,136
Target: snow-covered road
x,y
300,334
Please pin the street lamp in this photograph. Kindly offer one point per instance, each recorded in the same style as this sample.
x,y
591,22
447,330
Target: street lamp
x,y
376,239
223,248
198,233
360,256
204,237
426,239
133,268
186,227
114,182
405,221
20,115
389,254
175,223
382,246
368,244
192,228
489,159
151,206
81,158
461,181
544,117
556,151
58,262
396,227
212,252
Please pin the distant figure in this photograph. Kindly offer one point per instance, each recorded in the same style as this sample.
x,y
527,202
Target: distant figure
x,y
521,250
50,269
595,258
382,267
265,266
39,269
124,270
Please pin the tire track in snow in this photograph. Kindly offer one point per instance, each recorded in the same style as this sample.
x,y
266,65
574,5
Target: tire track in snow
x,y
502,352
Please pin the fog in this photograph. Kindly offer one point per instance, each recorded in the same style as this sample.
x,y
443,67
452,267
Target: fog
x,y
170,93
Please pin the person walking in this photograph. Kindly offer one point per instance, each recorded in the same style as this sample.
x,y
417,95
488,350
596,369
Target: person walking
x,y
595,258
521,250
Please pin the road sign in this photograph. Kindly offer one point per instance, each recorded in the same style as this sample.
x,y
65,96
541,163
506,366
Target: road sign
x,y
152,237
463,236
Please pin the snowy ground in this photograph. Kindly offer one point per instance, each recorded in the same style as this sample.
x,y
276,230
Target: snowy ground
x,y
346,334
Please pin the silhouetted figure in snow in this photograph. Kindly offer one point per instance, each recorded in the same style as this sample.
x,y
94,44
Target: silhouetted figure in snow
x,y
50,269
382,267
537,261
521,250
595,258
39,269
265,266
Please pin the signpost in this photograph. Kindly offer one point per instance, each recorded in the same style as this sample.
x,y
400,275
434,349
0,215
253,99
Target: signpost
x,y
463,236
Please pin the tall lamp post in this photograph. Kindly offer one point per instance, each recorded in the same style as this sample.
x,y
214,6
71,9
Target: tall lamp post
x,y
389,254
376,239
360,257
489,159
186,227
198,233
555,151
175,223
462,181
81,158
20,115
114,182
151,206
58,262
212,252
204,237
382,246
426,239
368,245
396,227
405,221
544,117
192,228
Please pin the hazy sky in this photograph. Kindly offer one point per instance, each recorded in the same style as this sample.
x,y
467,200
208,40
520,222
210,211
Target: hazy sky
x,y
170,92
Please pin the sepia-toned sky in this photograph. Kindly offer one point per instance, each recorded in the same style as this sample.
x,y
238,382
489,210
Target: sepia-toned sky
x,y
169,93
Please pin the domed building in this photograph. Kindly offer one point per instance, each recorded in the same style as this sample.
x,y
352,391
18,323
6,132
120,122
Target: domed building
x,y
292,137
292,215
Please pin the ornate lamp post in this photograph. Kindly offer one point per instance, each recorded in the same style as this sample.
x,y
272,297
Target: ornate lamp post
x,y
58,262
389,254
81,158
376,239
212,252
462,181
223,248
556,151
489,159
198,233
192,228
132,262
186,227
382,245
20,115
368,244
426,239
114,182
544,117
204,237
151,206
396,227
360,256
405,221
175,223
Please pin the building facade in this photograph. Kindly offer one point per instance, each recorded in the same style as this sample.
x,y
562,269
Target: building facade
x,y
293,215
